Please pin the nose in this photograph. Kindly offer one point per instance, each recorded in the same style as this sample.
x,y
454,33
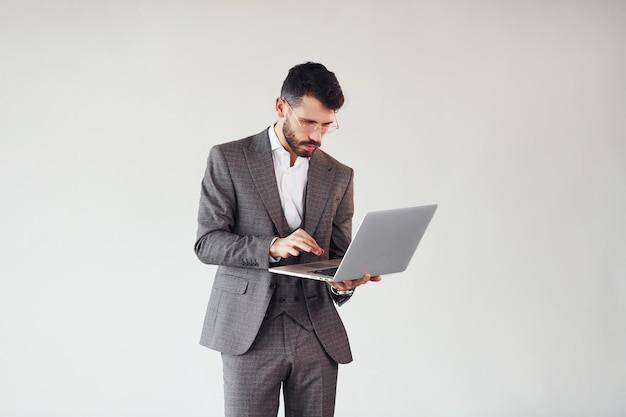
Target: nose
x,y
316,135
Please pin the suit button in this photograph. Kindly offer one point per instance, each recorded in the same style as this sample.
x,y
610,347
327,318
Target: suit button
x,y
273,285
282,300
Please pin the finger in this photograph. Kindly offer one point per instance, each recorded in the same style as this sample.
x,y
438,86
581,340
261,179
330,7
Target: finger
x,y
312,246
305,247
308,244
364,279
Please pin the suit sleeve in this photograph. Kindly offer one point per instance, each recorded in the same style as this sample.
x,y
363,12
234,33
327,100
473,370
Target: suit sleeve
x,y
217,243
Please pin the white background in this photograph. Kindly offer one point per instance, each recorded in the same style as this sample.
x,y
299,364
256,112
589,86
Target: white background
x,y
508,114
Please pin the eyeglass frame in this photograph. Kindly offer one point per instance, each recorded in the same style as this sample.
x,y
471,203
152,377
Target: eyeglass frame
x,y
311,126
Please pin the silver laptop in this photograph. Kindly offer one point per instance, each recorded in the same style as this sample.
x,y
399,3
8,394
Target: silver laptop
x,y
383,244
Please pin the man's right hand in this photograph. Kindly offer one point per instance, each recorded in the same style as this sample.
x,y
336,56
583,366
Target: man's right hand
x,y
292,245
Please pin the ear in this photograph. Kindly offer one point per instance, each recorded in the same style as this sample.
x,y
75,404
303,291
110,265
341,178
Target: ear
x,y
280,107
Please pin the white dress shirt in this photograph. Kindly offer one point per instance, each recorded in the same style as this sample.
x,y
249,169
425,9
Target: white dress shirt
x,y
291,181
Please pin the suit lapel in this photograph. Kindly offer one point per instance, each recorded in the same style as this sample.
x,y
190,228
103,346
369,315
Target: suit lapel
x,y
321,175
259,158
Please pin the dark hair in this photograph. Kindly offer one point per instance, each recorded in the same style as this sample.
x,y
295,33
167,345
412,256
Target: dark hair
x,y
312,79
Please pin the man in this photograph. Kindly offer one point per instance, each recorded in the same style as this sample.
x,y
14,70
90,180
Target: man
x,y
276,198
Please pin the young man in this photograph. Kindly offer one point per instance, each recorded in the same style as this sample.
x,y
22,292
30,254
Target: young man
x,y
269,199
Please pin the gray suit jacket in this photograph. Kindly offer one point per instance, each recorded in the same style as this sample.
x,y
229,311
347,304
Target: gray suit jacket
x,y
239,215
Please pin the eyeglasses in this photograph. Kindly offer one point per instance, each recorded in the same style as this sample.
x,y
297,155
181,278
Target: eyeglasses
x,y
311,126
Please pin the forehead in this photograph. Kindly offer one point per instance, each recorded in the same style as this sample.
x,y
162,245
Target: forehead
x,y
312,109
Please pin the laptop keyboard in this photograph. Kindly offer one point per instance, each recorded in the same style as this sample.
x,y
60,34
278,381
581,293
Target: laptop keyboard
x,y
329,272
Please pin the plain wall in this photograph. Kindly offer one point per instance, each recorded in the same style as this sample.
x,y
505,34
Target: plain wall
x,y
508,114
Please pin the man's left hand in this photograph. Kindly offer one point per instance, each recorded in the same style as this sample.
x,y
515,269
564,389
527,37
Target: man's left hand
x,y
352,284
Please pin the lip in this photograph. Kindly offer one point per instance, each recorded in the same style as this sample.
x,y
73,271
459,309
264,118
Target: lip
x,y
310,147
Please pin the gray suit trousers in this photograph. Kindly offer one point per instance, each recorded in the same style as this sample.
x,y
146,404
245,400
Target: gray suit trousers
x,y
284,353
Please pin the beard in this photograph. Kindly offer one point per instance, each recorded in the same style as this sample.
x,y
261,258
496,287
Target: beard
x,y
294,143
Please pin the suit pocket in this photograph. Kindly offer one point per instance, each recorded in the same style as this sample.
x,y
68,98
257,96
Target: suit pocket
x,y
231,283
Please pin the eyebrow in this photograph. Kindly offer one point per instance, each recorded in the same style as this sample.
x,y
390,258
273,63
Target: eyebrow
x,y
304,119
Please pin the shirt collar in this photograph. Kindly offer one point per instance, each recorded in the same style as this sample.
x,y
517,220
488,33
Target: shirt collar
x,y
274,142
